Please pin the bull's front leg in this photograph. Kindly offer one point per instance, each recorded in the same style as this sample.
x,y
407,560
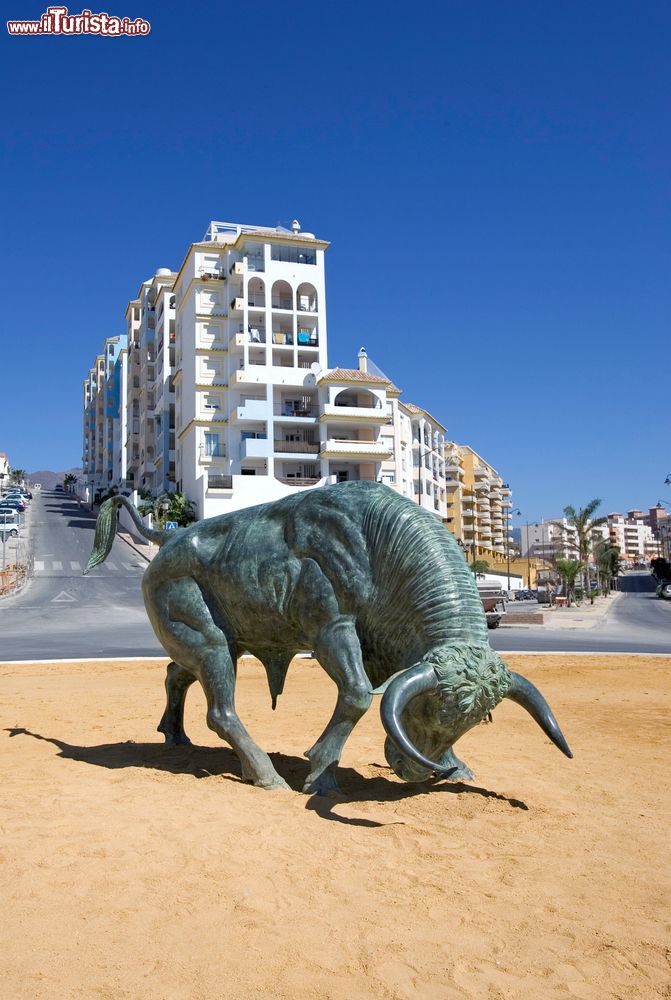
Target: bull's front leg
x,y
218,680
338,650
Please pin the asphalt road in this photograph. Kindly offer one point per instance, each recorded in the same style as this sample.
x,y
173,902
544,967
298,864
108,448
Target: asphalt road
x,y
638,622
63,615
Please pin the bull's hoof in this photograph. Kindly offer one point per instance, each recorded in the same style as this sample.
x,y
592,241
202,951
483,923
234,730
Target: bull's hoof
x,y
176,739
270,784
457,770
323,783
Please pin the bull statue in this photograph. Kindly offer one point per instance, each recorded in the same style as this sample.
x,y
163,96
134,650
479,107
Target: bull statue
x,y
364,577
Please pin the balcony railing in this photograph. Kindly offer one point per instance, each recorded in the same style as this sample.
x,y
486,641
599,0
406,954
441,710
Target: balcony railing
x,y
303,447
297,481
219,482
289,411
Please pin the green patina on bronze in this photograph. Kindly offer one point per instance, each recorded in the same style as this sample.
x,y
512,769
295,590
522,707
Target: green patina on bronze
x,y
365,578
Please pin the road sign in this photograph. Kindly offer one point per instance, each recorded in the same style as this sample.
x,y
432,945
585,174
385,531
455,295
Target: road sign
x,y
171,525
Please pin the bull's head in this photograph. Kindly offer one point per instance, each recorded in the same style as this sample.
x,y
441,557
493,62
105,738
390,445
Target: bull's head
x,y
426,708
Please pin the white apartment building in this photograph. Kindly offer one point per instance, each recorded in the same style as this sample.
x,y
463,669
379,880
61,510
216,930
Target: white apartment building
x,y
5,469
549,540
149,433
230,398
103,455
250,341
634,537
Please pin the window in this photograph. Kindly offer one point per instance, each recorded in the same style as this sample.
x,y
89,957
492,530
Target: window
x,y
211,444
247,472
293,255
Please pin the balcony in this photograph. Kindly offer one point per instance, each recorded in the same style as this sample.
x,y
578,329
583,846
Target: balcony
x,y
351,448
255,448
296,447
298,481
290,409
252,409
211,412
219,482
368,414
214,452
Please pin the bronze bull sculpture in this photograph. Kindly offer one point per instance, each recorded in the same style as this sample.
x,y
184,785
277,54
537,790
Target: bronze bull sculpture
x,y
365,578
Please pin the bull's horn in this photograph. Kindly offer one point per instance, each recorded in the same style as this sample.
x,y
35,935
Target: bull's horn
x,y
525,694
405,686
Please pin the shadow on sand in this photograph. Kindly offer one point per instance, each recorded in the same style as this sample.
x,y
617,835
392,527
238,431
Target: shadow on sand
x,y
208,762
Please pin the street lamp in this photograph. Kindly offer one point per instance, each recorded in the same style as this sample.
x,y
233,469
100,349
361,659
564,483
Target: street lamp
x,y
664,535
510,514
667,481
164,508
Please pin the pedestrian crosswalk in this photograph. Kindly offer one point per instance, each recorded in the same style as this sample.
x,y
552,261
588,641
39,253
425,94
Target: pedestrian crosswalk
x,y
50,566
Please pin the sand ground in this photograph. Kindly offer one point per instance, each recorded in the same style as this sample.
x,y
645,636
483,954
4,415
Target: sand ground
x,y
128,870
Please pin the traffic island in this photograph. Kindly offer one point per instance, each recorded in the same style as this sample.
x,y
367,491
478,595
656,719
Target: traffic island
x,y
133,869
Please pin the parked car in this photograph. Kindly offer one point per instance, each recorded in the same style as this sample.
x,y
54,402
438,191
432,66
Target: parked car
x,y
493,603
13,504
8,525
17,495
664,589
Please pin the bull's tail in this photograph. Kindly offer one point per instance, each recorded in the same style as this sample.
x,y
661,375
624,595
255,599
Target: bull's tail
x,y
106,530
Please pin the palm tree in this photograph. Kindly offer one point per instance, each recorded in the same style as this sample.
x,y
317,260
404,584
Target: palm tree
x,y
170,507
18,475
583,524
607,558
69,480
568,570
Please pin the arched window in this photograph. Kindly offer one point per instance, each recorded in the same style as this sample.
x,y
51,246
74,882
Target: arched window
x,y
283,296
256,294
306,298
361,398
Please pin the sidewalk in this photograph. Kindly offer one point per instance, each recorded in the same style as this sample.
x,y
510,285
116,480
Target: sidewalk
x,y
583,616
147,551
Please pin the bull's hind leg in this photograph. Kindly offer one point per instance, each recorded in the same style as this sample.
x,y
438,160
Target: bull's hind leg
x,y
338,650
177,683
187,631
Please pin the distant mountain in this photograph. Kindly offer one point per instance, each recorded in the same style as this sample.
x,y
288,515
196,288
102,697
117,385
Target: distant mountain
x,y
49,480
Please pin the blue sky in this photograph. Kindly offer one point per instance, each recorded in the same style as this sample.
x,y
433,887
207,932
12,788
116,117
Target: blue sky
x,y
494,179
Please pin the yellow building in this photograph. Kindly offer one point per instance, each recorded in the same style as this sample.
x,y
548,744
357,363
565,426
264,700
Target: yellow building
x,y
480,509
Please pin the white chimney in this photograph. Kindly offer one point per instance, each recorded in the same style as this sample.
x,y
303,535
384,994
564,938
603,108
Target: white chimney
x,y
295,226
363,360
